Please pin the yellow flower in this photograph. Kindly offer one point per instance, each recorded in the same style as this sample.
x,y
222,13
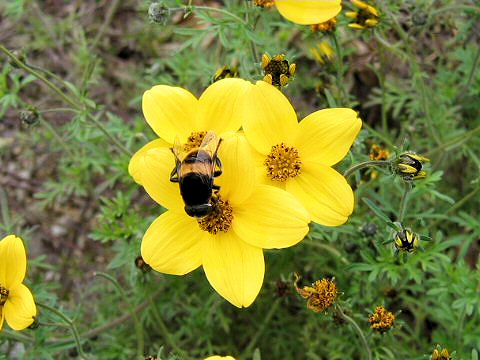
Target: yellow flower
x,y
16,301
298,156
218,357
307,12
365,17
247,217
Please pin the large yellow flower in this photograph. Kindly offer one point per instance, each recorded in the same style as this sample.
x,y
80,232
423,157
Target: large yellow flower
x,y
218,357
248,217
16,300
298,156
307,12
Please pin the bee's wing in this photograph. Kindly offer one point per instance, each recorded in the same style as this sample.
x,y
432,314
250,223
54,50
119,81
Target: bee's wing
x,y
210,143
178,150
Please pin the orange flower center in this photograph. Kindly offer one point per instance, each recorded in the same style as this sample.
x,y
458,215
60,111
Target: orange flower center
x,y
194,140
283,162
3,295
382,319
220,219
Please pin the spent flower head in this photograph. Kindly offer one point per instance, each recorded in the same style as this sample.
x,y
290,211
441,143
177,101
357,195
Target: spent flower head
x,y
321,295
366,16
246,217
277,70
381,320
325,27
17,306
378,152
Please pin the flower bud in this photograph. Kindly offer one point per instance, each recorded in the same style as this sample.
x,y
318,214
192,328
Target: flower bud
x,y
29,117
409,166
406,240
158,13
277,70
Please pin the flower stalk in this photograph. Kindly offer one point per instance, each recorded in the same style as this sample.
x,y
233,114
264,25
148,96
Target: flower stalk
x,y
358,330
364,165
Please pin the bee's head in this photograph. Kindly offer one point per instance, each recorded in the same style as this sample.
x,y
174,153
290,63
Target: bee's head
x,y
199,211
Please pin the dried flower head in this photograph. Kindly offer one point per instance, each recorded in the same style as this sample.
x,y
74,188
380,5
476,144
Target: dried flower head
x,y
277,70
158,13
325,27
264,3
365,17
408,166
378,152
321,295
381,320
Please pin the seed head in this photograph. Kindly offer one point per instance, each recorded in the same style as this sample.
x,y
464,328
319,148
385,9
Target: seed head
x,y
381,320
321,295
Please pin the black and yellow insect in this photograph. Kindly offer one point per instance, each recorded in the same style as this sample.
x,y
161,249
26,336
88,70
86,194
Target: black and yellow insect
x,y
195,170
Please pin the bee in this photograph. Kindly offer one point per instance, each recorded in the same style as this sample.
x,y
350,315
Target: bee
x,y
195,171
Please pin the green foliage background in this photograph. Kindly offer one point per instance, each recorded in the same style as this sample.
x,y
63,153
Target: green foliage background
x,y
66,191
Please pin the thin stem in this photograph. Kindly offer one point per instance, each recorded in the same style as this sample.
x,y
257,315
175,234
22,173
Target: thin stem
x,y
455,7
221,11
365,164
455,142
15,335
253,49
112,9
57,110
359,331
70,323
404,201
470,75
251,345
138,326
166,333
56,135
340,70
330,249
64,97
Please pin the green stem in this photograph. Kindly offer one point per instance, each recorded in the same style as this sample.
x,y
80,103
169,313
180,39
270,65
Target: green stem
x,y
359,331
70,323
340,70
470,75
112,9
253,49
455,142
330,249
166,333
251,345
64,97
404,201
220,11
57,110
56,135
455,7
136,321
16,336
365,164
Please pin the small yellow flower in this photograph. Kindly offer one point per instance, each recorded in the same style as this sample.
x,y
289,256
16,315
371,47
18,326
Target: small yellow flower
x,y
247,217
381,320
441,355
325,27
321,295
409,166
378,153
277,70
297,156
365,17
307,12
323,52
17,306
226,72
218,357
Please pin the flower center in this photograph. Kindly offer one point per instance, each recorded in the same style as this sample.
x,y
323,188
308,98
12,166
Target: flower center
x,y
283,162
220,219
194,140
3,295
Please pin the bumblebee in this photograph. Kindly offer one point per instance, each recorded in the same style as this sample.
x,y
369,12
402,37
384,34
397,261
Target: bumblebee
x,y
195,170
406,240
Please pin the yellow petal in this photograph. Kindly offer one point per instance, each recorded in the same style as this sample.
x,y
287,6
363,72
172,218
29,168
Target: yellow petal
x,y
2,317
356,26
238,178
234,268
137,162
324,193
170,112
219,105
271,218
173,244
155,168
20,308
308,12
13,262
218,357
268,117
326,136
